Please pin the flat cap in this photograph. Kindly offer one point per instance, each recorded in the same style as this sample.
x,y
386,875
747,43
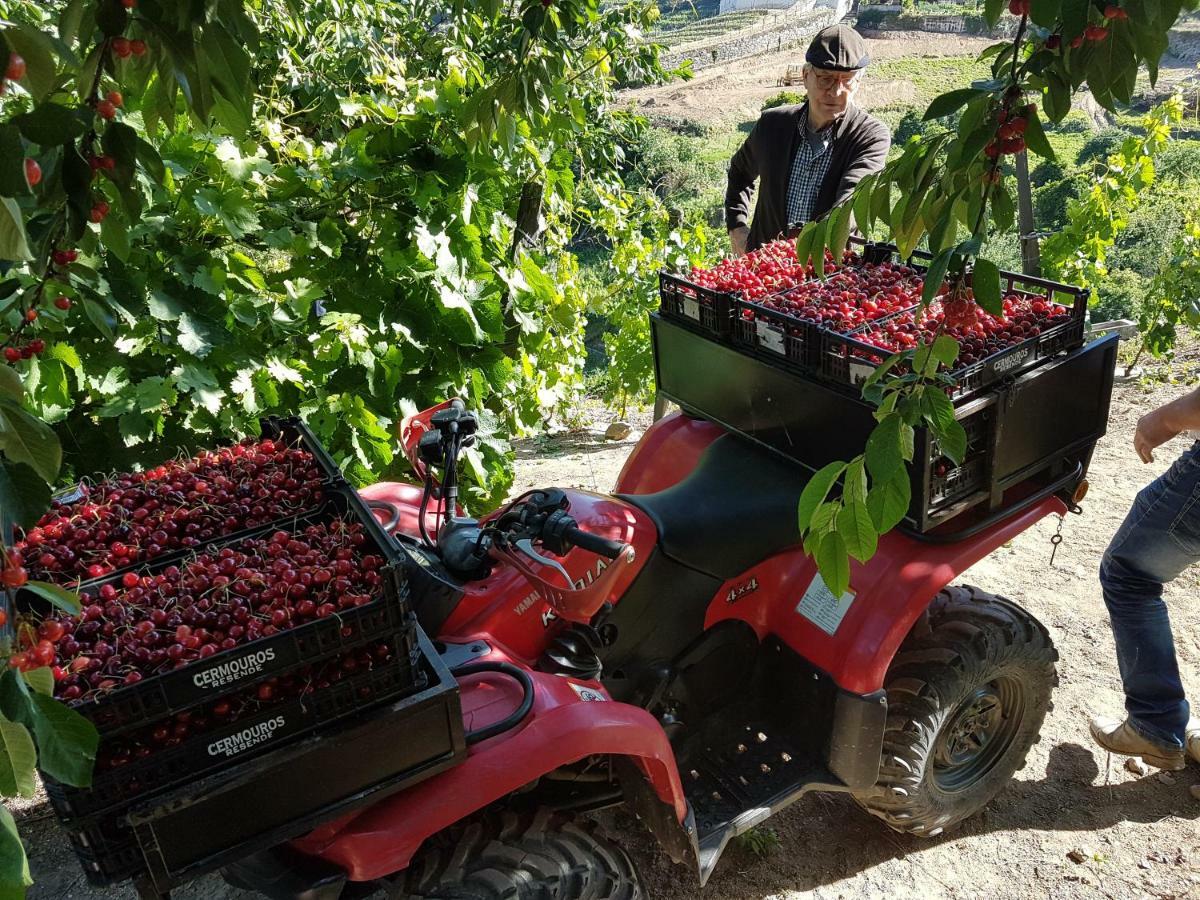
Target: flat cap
x,y
839,48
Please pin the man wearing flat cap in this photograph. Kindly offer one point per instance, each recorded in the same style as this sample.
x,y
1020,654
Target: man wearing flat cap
x,y
807,158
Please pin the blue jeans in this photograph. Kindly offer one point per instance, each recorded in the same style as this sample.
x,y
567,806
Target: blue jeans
x,y
1158,540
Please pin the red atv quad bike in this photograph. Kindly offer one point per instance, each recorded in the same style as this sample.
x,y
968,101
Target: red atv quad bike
x,y
673,649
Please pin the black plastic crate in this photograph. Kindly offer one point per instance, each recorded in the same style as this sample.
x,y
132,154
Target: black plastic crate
x,y
1035,430
262,731
293,431
700,307
171,692
263,802
777,333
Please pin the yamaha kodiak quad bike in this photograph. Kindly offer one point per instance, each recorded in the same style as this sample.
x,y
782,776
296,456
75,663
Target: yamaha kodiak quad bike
x,y
672,648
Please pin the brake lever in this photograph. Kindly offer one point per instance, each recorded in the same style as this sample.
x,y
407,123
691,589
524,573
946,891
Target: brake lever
x,y
525,545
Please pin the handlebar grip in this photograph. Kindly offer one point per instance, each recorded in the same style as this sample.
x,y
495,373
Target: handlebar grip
x,y
593,543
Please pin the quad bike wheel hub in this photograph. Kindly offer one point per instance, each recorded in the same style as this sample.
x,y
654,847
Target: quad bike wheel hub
x,y
977,734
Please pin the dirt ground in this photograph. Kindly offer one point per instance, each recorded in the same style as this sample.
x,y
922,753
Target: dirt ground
x,y
1139,836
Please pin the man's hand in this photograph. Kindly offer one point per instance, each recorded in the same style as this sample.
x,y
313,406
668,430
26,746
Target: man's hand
x,y
1153,430
738,239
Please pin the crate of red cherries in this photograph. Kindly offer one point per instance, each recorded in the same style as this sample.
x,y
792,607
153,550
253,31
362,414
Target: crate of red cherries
x,y
1040,319
706,298
231,602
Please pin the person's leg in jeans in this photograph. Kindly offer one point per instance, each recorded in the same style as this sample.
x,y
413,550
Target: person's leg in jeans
x,y
1159,538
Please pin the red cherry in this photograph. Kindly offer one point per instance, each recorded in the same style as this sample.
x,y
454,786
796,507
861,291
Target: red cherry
x,y
130,579
15,70
63,303
115,98
31,315
14,576
33,172
129,4
121,47
37,345
138,46
12,354
106,109
1054,42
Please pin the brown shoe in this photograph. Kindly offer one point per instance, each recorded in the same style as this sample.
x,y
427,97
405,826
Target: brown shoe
x,y
1117,736
1192,740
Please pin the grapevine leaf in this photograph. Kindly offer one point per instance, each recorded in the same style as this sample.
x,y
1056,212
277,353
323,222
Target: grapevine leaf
x,y
816,490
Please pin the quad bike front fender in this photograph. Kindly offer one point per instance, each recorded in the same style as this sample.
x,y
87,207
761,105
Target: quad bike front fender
x,y
570,721
854,639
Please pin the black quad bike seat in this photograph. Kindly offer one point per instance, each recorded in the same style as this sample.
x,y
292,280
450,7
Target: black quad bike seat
x,y
736,508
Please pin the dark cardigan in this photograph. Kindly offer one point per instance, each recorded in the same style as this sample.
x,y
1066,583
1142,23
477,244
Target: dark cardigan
x,y
860,146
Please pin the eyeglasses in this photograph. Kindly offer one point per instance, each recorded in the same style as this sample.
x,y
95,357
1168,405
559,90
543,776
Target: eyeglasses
x,y
828,81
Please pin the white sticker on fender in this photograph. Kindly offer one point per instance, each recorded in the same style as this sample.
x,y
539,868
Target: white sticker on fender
x,y
820,607
587,694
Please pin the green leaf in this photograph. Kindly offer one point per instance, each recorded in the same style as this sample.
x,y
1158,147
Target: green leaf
x,y
816,490
155,393
839,231
10,384
945,348
857,530
938,411
66,741
112,17
985,283
24,495
13,244
855,481
881,370
18,758
40,679
121,143
862,204
61,598
27,439
1074,18
77,182
888,500
148,156
34,47
991,11
1056,101
950,102
115,235
936,275
14,867
1045,12
884,448
13,182
50,125
1002,207
833,563
100,318
1035,138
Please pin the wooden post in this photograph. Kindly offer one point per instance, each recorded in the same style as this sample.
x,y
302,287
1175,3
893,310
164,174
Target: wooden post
x,y
1031,262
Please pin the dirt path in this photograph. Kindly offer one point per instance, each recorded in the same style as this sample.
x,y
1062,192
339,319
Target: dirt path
x,y
1140,835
